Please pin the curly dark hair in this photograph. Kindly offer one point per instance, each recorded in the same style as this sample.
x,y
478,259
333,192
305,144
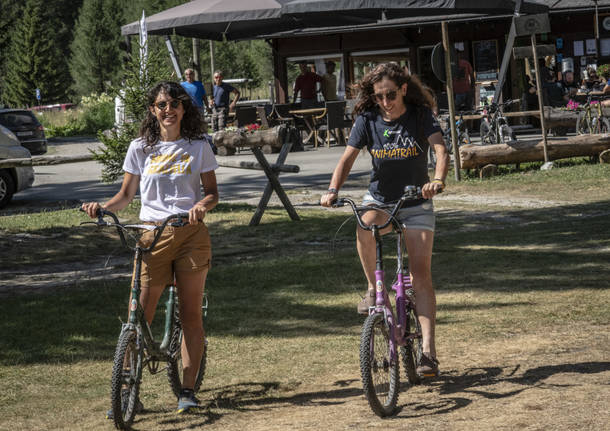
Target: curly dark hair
x,y
192,125
417,93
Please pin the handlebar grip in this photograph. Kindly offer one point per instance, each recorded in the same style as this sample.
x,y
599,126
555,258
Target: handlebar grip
x,y
337,203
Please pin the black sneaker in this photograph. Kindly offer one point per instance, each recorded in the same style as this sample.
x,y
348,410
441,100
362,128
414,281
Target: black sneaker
x,y
139,406
428,366
187,401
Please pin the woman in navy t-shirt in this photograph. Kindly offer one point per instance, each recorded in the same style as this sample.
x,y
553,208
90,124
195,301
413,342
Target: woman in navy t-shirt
x,y
395,123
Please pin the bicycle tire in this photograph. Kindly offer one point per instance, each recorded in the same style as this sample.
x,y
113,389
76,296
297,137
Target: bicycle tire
x,y
411,353
464,138
174,365
487,137
507,134
125,383
604,125
380,372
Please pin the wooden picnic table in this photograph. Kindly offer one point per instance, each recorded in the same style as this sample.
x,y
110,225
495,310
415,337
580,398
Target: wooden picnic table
x,y
308,115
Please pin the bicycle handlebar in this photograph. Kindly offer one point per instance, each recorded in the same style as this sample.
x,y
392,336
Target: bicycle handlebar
x,y
410,193
101,213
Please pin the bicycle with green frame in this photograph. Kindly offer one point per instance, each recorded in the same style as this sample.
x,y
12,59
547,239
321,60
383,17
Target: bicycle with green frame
x,y
591,118
137,347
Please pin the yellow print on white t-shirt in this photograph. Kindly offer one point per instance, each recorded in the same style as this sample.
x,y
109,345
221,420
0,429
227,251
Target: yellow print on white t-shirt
x,y
169,164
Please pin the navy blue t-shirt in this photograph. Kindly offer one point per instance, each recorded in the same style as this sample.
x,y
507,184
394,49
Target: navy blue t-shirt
x,y
399,150
221,95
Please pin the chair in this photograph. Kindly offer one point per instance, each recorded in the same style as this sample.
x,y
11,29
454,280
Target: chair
x,y
281,114
245,115
262,116
333,122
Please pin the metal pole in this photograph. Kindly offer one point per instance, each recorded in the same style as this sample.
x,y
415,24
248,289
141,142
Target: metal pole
x,y
196,65
596,31
212,66
172,54
507,52
540,101
451,102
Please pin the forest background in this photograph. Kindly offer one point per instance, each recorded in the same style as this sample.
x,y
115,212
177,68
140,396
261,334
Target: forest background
x,y
69,49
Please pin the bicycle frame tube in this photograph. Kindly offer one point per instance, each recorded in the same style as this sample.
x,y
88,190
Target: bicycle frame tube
x,y
169,318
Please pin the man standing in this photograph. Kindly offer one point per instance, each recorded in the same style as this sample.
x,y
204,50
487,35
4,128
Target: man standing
x,y
463,84
220,102
195,90
329,82
306,85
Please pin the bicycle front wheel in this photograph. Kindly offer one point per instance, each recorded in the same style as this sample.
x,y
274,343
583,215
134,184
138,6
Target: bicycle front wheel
x,y
582,124
379,369
487,135
174,365
411,353
507,135
126,378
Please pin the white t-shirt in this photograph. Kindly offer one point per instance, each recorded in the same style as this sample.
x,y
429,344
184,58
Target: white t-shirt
x,y
169,175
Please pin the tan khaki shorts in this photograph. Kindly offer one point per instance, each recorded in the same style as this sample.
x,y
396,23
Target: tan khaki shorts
x,y
188,248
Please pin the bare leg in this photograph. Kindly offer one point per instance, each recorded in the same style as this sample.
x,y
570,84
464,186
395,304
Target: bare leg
x,y
419,246
190,291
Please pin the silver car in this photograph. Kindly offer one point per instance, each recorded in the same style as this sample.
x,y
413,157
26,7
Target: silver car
x,y
15,179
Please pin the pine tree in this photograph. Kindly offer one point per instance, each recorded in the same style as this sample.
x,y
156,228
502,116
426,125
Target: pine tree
x,y
34,59
11,9
95,60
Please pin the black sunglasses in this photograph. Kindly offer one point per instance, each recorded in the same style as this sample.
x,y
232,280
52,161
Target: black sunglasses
x,y
390,95
173,104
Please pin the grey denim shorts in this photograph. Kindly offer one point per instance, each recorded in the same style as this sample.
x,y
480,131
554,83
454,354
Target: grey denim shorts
x,y
417,217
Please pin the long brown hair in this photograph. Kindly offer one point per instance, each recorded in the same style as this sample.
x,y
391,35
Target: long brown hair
x,y
192,125
417,93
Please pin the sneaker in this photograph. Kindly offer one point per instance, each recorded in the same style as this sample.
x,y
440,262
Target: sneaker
x,y
139,405
187,401
367,301
428,366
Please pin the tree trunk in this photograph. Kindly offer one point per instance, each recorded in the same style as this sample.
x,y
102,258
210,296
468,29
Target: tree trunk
x,y
475,156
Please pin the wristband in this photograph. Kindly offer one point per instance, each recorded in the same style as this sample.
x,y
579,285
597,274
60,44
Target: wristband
x,y
333,190
439,181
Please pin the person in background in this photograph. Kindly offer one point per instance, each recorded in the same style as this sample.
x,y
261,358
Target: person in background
x,y
305,84
463,84
329,82
396,124
195,90
221,104
569,85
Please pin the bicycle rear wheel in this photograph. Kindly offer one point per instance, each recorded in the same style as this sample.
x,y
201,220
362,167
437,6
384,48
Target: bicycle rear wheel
x,y
411,353
174,365
126,378
380,378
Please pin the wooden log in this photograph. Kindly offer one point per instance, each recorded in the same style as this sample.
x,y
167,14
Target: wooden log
x,y
271,138
475,156
244,164
604,156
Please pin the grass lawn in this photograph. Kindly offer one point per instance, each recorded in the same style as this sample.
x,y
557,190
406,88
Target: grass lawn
x,y
522,333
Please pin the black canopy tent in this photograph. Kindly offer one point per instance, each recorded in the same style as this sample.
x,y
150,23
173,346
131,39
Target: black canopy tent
x,y
247,19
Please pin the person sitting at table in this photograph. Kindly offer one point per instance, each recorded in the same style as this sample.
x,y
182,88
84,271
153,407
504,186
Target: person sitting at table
x,y
329,82
569,85
592,82
305,84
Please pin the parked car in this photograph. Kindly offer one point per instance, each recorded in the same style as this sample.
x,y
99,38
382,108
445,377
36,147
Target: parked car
x,y
24,124
13,180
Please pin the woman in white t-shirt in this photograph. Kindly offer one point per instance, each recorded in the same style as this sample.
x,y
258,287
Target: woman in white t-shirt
x,y
169,162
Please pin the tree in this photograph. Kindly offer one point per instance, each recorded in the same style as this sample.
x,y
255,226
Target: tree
x,y
133,93
95,60
34,60
11,9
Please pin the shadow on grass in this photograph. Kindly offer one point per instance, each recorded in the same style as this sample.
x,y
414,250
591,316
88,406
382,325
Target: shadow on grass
x,y
290,289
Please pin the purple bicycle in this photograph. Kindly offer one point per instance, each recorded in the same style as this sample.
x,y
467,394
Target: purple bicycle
x,y
384,331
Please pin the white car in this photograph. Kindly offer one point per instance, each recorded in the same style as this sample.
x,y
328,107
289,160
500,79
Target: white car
x,y
13,180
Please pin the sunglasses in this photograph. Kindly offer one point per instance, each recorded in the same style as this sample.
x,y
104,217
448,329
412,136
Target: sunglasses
x,y
390,95
163,104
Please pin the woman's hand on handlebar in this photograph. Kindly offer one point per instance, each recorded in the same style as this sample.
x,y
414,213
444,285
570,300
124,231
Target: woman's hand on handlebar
x,y
197,213
328,198
431,189
91,208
